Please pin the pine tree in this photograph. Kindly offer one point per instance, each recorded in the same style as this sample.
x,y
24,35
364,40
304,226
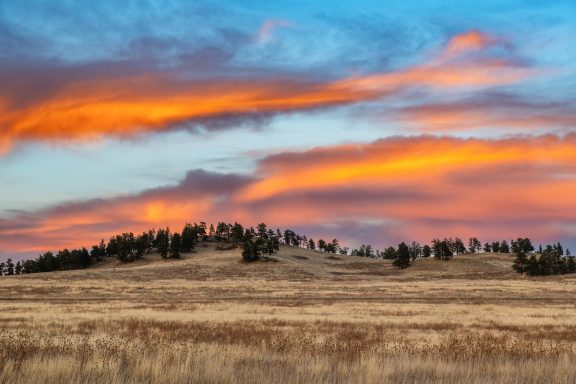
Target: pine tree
x,y
237,233
415,250
140,245
533,266
459,247
525,245
163,241
311,244
262,231
334,246
474,245
402,259
547,264
112,247
102,249
521,263
559,249
570,265
442,249
188,238
175,246
426,251
251,251
9,267
84,258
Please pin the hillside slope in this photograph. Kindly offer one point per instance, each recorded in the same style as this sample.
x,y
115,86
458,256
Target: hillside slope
x,y
292,264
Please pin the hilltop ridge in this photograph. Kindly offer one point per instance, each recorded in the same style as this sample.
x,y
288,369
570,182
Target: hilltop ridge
x,y
293,264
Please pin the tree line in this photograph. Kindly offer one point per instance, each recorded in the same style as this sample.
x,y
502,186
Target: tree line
x,y
260,242
444,249
127,247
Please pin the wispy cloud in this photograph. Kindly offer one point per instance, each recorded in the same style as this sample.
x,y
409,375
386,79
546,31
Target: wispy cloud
x,y
490,112
269,27
471,41
116,104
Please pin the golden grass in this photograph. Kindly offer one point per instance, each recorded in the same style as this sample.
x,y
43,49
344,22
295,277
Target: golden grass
x,y
304,319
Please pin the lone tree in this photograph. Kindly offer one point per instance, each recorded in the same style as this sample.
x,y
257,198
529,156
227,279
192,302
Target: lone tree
x,y
402,259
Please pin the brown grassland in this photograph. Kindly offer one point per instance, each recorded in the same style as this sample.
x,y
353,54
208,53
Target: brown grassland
x,y
306,317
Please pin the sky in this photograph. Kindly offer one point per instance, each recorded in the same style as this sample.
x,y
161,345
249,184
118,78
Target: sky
x,y
370,121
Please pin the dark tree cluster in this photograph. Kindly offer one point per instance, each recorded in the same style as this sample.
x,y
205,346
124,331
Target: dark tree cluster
x,y
260,242
498,247
364,251
9,268
289,237
440,249
63,260
402,259
126,247
550,260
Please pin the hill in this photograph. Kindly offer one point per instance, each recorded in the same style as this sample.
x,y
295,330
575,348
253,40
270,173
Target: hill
x,y
302,316
293,264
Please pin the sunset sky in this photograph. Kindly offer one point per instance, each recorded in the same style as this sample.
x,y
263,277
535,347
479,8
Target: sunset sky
x,y
371,121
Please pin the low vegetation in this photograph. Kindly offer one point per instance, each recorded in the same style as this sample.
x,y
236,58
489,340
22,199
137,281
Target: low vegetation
x,y
195,306
310,316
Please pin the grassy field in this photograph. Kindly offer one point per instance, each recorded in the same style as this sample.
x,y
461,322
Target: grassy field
x,y
305,317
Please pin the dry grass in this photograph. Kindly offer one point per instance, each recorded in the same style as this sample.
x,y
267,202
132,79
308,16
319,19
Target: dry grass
x,y
307,318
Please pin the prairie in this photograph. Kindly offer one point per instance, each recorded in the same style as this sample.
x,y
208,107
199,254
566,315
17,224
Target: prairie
x,y
303,317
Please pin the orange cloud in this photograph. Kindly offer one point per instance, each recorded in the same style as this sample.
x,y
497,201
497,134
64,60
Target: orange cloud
x,y
400,188
470,41
70,225
501,112
91,108
393,161
424,186
483,73
125,107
